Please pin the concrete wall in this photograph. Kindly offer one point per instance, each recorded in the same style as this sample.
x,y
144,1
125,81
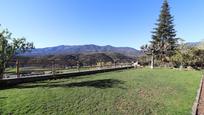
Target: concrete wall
x,y
11,82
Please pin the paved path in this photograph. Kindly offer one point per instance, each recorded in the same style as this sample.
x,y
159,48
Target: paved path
x,y
200,109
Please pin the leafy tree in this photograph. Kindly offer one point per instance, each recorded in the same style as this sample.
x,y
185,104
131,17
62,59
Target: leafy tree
x,y
182,54
198,59
188,56
143,60
163,44
151,51
9,47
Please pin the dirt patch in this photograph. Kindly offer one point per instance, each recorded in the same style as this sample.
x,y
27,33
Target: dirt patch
x,y
124,105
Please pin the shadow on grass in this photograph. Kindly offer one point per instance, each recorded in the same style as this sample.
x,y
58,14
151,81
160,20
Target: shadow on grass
x,y
102,84
1,98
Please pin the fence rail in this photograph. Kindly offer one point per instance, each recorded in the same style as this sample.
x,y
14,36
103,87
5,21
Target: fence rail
x,y
28,68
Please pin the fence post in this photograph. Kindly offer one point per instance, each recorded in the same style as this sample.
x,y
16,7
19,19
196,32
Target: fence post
x,y
17,68
78,66
101,65
53,67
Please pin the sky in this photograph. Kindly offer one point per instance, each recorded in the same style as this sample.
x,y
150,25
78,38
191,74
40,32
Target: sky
x,y
121,23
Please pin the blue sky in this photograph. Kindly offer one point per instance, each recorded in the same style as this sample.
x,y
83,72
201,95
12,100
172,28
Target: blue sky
x,y
101,22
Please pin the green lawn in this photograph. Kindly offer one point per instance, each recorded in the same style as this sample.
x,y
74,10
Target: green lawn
x,y
127,92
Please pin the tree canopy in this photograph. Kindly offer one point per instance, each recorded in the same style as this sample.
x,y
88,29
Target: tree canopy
x,y
9,47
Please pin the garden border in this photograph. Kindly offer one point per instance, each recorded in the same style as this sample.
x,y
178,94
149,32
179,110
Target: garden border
x,y
196,103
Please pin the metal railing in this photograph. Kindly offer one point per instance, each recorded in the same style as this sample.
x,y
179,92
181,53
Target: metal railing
x,y
21,68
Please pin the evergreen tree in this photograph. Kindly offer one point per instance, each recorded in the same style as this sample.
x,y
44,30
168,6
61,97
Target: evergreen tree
x,y
163,41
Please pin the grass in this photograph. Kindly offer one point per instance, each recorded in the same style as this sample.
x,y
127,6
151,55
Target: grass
x,y
10,70
127,92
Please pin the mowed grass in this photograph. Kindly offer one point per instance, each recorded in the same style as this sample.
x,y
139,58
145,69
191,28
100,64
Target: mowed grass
x,y
126,92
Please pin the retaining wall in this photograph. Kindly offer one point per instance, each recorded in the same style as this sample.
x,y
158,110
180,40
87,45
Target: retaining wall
x,y
15,81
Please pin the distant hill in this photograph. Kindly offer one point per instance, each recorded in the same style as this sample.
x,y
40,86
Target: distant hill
x,y
192,44
88,59
83,49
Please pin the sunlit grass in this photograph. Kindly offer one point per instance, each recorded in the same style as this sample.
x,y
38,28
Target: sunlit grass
x,y
127,92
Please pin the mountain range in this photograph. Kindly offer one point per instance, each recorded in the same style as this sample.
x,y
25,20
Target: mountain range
x,y
193,44
83,49
90,49
85,54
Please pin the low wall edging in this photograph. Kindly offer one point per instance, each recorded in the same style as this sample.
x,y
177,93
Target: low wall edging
x,y
16,81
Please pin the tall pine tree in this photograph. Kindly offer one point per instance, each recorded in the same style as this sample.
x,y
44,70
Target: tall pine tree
x,y
164,41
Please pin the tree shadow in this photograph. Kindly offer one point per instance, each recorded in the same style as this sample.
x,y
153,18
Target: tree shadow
x,y
102,84
107,83
1,98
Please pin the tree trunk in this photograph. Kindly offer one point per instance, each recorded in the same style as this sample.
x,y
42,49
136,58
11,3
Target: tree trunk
x,y
1,72
181,67
152,62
